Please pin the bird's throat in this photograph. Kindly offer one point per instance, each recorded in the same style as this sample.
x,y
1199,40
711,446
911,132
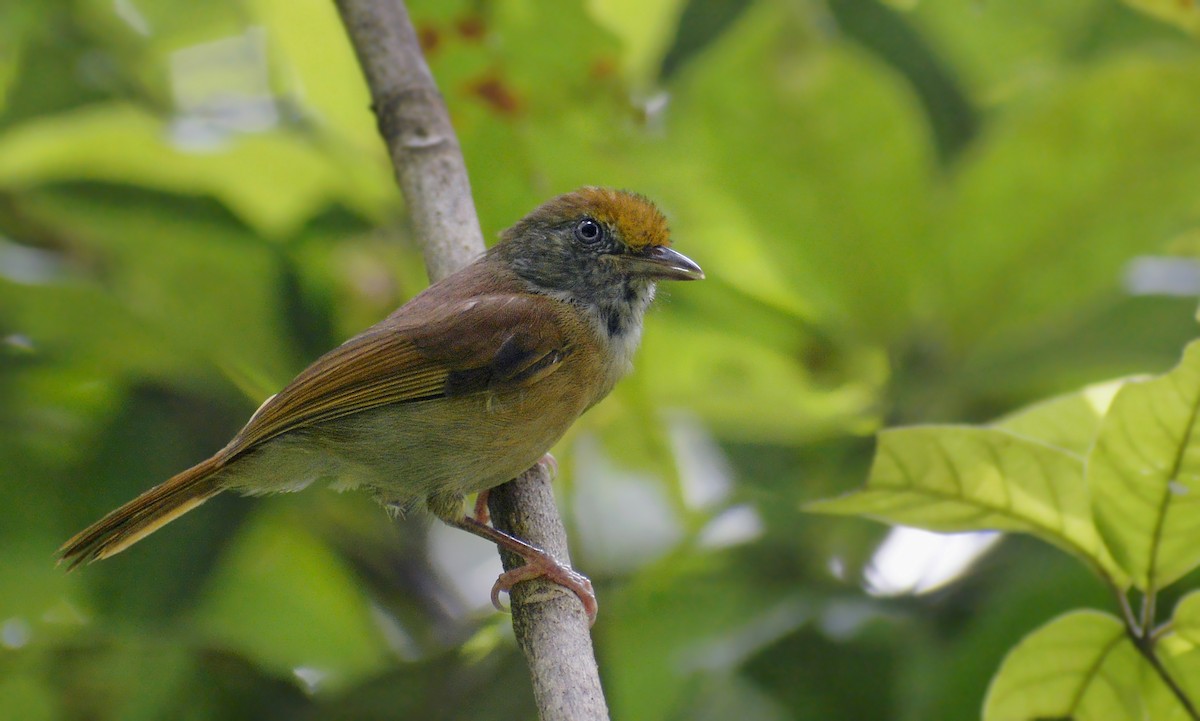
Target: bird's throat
x,y
617,319
620,313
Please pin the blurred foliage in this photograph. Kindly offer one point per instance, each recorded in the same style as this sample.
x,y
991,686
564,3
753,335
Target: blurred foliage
x,y
932,211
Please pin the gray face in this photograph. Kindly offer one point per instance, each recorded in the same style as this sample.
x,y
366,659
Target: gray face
x,y
575,260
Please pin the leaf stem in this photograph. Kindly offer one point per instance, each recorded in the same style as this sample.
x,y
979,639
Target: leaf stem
x,y
1145,636
1149,610
1162,630
1132,627
1145,646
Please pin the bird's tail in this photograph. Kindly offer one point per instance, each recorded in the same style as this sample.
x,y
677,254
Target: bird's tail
x,y
144,515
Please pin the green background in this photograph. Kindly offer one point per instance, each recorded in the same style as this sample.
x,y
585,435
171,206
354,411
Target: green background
x,y
906,214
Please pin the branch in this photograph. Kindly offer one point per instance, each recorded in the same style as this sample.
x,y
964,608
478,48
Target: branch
x,y
414,123
549,622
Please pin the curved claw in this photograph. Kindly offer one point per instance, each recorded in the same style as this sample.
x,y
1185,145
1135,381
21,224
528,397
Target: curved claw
x,y
538,563
551,570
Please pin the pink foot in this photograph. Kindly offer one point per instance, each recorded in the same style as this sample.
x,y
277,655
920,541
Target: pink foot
x,y
543,566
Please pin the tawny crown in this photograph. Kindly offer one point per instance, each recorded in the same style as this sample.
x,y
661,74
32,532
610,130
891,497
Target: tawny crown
x,y
638,221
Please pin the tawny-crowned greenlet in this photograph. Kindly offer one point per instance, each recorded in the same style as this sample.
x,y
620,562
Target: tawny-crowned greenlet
x,y
461,389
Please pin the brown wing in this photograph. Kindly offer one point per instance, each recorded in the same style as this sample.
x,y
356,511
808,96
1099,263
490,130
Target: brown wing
x,y
488,343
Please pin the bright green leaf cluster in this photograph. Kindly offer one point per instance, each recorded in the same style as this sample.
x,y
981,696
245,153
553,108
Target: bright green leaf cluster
x,y
1110,474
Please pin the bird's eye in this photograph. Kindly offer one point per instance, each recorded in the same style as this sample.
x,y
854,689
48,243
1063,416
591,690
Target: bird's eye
x,y
588,231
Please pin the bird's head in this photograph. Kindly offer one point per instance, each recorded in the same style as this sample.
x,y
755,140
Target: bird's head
x,y
596,247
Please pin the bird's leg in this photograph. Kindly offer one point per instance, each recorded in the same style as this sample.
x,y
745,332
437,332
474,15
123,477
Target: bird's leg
x,y
538,563
481,513
547,461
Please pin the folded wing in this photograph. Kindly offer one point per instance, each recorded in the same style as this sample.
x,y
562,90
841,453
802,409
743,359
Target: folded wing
x,y
486,344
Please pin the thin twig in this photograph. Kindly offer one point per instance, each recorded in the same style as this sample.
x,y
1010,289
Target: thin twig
x,y
549,623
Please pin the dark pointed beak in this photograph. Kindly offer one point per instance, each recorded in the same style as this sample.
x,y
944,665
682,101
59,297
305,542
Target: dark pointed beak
x,y
661,263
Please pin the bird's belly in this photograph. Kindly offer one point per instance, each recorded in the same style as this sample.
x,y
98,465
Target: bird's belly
x,y
406,452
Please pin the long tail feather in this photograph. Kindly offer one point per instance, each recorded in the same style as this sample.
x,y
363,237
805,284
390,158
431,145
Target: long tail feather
x,y
144,515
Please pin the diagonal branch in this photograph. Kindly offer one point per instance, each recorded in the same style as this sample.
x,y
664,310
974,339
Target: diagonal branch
x,y
549,623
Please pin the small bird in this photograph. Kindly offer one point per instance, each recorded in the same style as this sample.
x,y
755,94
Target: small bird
x,y
459,390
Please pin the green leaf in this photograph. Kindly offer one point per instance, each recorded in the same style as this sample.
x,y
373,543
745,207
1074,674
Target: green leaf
x,y
1144,472
1187,617
958,478
27,698
1091,170
274,181
891,37
847,142
701,23
184,275
744,388
1068,421
1184,15
1001,48
1180,655
677,623
317,69
1079,666
107,339
17,20
285,600
644,28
